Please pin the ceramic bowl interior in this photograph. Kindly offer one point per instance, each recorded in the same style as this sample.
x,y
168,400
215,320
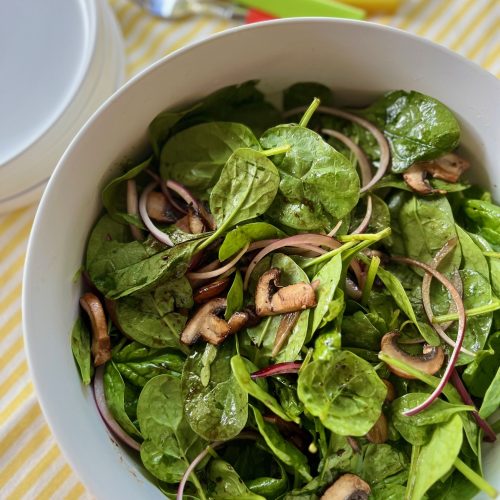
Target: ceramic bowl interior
x,y
358,60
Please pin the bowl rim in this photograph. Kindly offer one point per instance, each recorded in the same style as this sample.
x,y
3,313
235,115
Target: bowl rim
x,y
41,392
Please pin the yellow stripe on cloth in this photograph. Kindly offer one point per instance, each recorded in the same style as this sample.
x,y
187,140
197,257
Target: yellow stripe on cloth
x,y
28,452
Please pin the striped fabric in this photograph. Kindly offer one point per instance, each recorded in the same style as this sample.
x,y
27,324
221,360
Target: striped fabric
x,y
31,464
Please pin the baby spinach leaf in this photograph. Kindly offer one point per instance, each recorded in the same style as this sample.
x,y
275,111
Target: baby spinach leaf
x,y
236,239
426,225
150,317
318,184
80,346
243,378
234,296
195,156
455,486
114,391
328,277
227,484
285,451
114,195
170,444
485,220
381,461
472,256
246,188
302,93
161,127
436,457
491,400
417,126
363,330
494,264
344,391
327,341
217,410
286,392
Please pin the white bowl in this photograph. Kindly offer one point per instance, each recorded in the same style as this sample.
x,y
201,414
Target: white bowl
x,y
357,59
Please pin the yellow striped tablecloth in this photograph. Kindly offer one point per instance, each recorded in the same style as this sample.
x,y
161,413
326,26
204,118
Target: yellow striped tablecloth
x,y
31,464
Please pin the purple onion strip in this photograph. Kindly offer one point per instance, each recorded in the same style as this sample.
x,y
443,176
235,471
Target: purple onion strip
x,y
277,369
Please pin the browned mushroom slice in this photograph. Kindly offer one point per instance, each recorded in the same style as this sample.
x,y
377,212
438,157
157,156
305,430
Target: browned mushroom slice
x,y
210,290
183,224
347,487
449,167
379,432
391,391
208,323
271,299
196,225
430,361
158,208
101,343
415,177
238,321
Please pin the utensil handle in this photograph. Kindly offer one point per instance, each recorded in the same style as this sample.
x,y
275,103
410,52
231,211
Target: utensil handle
x,y
220,9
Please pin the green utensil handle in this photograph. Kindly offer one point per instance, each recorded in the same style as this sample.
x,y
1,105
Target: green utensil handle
x,y
307,8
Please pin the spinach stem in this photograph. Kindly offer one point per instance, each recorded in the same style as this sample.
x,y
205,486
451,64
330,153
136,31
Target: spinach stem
x,y
328,255
475,478
365,237
493,255
474,311
412,473
366,243
309,112
277,150
370,278
199,487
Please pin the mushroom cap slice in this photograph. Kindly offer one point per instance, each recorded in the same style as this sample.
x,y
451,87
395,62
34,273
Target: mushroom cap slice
x,y
271,299
101,343
430,361
448,168
379,433
208,323
159,208
415,177
347,487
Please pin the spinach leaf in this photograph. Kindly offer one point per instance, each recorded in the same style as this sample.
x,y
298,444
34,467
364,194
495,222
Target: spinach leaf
x,y
170,444
485,220
472,256
426,225
150,317
363,330
491,400
114,391
236,239
217,410
80,346
344,391
436,457
161,127
398,293
318,184
418,428
234,296
243,378
285,451
417,126
227,484
195,156
246,188
455,486
396,182
327,341
381,461
328,277
114,195
302,93
286,392
494,264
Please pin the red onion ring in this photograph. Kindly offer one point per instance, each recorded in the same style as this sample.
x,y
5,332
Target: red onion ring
x,y
277,369
385,154
298,239
358,272
365,166
366,219
426,294
109,420
489,433
221,270
333,232
133,207
462,321
155,232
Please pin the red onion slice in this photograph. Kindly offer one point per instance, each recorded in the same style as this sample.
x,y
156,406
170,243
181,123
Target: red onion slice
x,y
298,239
337,226
366,219
155,232
109,420
365,166
133,207
277,369
385,154
221,270
462,320
358,272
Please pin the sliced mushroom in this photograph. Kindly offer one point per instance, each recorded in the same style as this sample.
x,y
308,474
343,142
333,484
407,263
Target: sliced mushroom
x,y
196,225
210,290
287,324
430,361
379,432
415,177
209,323
159,208
183,224
391,391
347,487
449,167
101,343
271,299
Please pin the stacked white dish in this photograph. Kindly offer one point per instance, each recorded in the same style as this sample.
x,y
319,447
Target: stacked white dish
x,y
60,60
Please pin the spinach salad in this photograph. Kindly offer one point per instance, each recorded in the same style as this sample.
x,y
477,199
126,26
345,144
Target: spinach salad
x,y
299,303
